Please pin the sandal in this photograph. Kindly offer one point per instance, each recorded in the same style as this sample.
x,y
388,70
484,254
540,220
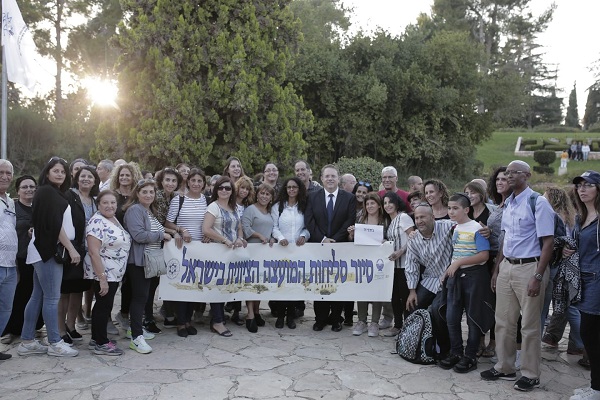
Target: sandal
x,y
225,333
235,318
585,363
489,351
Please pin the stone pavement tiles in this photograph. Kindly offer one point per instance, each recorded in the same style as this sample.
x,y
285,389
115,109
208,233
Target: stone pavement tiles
x,y
272,364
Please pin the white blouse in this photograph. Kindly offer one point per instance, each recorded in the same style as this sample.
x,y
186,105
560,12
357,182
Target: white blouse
x,y
290,224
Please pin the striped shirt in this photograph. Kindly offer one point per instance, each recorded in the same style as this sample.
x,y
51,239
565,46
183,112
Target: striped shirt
x,y
191,215
434,253
155,226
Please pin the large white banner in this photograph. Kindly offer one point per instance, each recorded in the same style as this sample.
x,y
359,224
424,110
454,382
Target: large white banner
x,y
212,272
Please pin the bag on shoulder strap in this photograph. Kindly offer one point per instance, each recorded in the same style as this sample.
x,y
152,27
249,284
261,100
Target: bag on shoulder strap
x,y
415,342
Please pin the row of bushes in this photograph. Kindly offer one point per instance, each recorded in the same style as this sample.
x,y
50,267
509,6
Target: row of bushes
x,y
557,147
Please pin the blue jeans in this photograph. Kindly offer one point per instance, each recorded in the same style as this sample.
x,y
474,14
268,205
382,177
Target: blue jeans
x,y
47,277
8,284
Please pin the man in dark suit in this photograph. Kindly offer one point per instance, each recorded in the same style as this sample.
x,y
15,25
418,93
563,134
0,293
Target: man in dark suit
x,y
329,213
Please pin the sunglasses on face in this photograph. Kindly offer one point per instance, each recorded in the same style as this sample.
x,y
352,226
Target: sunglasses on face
x,y
225,188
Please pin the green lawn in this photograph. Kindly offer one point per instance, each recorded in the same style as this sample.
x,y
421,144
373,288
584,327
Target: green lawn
x,y
499,150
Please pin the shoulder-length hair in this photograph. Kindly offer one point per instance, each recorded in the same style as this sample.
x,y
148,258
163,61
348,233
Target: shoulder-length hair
x,y
396,200
365,215
284,197
228,163
136,175
194,172
49,165
492,189
215,193
135,198
95,189
560,202
581,205
246,183
160,176
477,188
441,187
265,186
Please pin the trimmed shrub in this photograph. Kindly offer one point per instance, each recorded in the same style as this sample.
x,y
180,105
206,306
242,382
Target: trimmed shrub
x,y
534,147
556,147
555,129
525,142
363,168
544,157
543,169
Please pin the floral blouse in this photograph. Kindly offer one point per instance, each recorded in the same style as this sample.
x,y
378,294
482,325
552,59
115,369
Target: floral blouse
x,y
114,248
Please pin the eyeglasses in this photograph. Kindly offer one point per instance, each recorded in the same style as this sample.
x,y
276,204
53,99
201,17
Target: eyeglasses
x,y
271,170
292,187
55,158
27,187
585,186
365,184
144,181
509,172
225,188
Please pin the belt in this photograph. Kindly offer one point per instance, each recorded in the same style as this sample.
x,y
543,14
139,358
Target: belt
x,y
522,260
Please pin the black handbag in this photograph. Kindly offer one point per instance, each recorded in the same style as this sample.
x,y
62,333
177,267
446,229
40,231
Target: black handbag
x,y
70,271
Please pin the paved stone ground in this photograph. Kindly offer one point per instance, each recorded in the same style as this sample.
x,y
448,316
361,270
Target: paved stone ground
x,y
272,364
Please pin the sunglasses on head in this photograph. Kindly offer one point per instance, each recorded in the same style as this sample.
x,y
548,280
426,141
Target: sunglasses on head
x,y
56,158
144,181
365,184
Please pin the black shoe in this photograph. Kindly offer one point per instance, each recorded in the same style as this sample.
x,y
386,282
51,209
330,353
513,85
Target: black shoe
x,y
299,313
259,320
251,325
525,384
151,327
5,356
182,332
191,330
235,318
336,326
228,307
170,324
449,361
74,335
466,364
493,375
290,323
279,323
348,321
318,327
67,339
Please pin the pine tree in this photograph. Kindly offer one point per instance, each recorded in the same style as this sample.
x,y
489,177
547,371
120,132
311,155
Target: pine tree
x,y
572,118
592,108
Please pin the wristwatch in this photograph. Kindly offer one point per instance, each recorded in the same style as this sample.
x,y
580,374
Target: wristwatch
x,y
538,276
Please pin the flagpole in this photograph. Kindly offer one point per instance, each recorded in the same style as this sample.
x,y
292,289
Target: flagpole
x,y
3,151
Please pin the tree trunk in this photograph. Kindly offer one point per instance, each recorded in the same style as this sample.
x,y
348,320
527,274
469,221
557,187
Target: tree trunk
x,y
59,59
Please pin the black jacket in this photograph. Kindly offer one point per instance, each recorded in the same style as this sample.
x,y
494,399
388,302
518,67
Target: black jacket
x,y
49,205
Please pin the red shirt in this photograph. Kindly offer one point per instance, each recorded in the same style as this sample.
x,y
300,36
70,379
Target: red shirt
x,y
403,195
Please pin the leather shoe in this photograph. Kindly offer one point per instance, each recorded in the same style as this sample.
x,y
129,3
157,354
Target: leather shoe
x,y
290,323
251,325
336,326
317,327
259,320
279,323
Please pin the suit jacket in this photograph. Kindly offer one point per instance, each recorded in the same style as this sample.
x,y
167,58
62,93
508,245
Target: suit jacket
x,y
315,216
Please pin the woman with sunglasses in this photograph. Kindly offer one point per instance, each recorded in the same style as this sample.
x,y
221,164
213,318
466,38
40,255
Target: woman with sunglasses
x,y
436,194
360,191
257,225
25,186
244,198
186,216
222,225
587,236
168,180
146,234
108,246
52,223
288,227
372,215
399,228
81,199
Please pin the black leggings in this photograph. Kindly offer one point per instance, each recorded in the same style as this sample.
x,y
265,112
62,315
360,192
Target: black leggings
x,y
102,309
149,309
139,294
399,296
590,334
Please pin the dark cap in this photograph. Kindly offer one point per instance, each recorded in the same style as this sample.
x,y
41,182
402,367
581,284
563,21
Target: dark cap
x,y
588,176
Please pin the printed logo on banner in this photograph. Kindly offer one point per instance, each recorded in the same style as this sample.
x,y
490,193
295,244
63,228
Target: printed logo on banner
x,y
173,268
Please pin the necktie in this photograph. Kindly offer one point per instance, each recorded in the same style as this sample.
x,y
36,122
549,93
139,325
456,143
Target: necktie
x,y
329,214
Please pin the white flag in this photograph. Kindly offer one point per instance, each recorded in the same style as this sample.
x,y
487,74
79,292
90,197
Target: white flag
x,y
21,53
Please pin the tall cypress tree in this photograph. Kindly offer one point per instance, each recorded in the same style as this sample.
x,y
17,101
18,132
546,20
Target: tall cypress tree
x,y
572,118
201,81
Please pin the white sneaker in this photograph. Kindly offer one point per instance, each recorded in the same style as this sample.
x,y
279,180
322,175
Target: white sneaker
x,y
373,329
111,329
34,347
518,361
359,328
121,320
139,344
589,394
385,323
7,339
61,349
147,335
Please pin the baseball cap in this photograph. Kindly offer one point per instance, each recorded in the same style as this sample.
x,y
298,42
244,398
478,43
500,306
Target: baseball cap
x,y
588,176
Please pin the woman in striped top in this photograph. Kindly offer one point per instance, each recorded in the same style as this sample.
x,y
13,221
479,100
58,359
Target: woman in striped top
x,y
186,216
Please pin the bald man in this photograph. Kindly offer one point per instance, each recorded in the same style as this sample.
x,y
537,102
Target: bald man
x,y
347,183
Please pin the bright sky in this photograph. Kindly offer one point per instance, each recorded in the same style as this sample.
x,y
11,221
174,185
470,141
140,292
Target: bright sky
x,y
570,40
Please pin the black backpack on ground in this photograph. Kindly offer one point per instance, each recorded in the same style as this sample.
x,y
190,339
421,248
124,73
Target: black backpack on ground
x,y
415,342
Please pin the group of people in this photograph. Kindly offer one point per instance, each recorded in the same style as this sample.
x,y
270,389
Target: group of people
x,y
79,232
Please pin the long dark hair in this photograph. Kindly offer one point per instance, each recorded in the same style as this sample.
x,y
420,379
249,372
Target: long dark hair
x,y
134,198
49,165
492,189
215,193
95,189
581,207
302,195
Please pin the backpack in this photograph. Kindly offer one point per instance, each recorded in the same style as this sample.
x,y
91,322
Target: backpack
x,y
559,230
415,342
